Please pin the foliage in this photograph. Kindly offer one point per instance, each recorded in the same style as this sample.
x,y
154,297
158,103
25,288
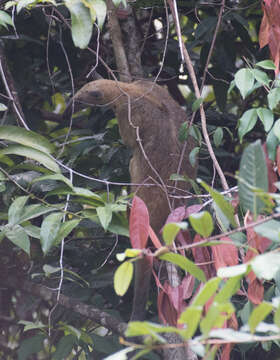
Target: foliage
x,y
64,195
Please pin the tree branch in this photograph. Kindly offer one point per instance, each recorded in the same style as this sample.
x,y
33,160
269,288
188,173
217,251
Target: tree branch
x,y
10,87
187,59
116,36
90,312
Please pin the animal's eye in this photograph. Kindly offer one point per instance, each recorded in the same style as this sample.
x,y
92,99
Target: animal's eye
x,y
96,94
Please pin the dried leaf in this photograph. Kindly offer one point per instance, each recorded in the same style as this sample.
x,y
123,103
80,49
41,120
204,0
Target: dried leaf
x,y
138,224
203,259
270,29
225,254
255,291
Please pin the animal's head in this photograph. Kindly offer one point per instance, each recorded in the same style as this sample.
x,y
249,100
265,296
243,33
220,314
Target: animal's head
x,y
98,92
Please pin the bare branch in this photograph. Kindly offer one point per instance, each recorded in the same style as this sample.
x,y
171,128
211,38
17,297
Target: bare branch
x,y
10,87
116,36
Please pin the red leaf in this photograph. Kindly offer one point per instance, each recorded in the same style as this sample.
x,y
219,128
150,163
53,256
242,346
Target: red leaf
x,y
270,29
203,259
255,291
272,177
225,254
264,30
166,310
257,242
187,286
226,351
154,238
192,209
232,322
176,297
184,238
278,159
138,224
254,240
177,215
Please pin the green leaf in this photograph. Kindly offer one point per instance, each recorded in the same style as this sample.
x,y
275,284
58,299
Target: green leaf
x,y
81,23
97,9
252,174
178,177
271,143
216,316
31,345
276,129
140,328
261,76
5,19
273,98
9,4
208,290
49,230
18,236
266,64
118,228
35,210
33,231
6,160
222,220
171,230
49,270
225,206
16,209
64,347
259,313
232,271
87,193
191,318
266,266
32,154
266,116
270,230
122,354
196,104
218,136
202,223
193,156
105,215
276,317
184,131
55,177
123,277
65,230
23,4
72,330
230,288
30,325
117,2
244,80
247,122
24,137
184,264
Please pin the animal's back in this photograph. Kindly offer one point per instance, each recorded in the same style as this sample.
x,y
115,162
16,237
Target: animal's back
x,y
160,118
149,121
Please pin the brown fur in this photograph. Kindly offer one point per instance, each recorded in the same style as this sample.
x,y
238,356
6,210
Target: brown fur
x,y
146,110
158,118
